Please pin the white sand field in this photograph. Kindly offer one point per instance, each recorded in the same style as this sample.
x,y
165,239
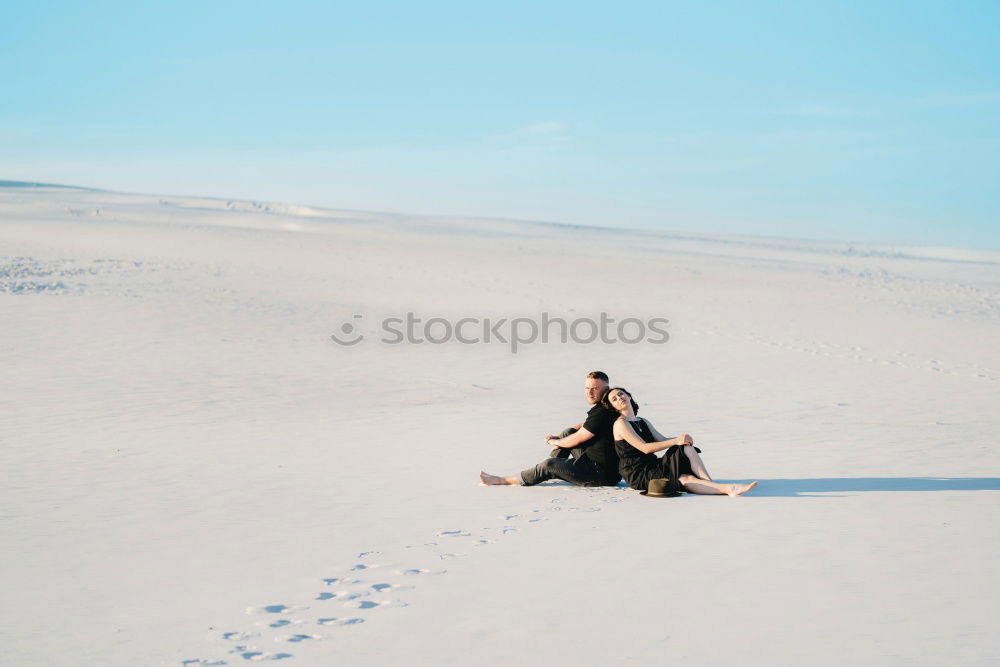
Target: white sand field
x,y
195,473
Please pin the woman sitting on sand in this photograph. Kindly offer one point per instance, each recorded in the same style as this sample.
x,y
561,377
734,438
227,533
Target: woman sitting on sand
x,y
636,441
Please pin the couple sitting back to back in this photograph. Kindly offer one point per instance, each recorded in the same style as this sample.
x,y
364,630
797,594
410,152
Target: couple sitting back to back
x,y
614,443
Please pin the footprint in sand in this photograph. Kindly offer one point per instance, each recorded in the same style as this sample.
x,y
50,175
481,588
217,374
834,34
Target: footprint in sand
x,y
392,587
198,662
416,571
294,639
351,596
372,604
260,656
275,609
364,604
343,596
338,622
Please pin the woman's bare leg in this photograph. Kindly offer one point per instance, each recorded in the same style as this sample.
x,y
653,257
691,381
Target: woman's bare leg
x,y
494,480
694,485
697,465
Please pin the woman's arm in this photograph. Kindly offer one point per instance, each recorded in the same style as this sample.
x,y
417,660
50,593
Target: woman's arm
x,y
624,431
682,439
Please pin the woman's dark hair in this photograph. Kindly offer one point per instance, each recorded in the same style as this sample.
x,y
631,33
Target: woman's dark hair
x,y
606,403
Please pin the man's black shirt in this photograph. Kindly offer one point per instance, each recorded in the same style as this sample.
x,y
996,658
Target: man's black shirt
x,y
601,448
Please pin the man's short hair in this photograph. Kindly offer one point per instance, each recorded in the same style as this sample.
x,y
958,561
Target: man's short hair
x,y
598,375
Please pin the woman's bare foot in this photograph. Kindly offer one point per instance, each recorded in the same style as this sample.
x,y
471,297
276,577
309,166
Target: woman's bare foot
x,y
739,489
493,480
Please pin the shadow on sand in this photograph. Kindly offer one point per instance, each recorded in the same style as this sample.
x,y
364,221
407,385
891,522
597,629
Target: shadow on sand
x,y
806,487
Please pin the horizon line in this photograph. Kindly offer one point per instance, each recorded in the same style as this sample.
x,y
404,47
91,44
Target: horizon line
x,y
897,250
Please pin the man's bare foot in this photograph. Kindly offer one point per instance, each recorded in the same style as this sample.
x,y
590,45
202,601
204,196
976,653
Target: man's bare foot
x,y
740,489
493,480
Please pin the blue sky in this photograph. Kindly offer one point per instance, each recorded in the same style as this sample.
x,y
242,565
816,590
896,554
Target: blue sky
x,y
862,121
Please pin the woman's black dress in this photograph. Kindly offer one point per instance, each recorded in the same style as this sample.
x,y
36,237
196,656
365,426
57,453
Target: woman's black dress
x,y
638,468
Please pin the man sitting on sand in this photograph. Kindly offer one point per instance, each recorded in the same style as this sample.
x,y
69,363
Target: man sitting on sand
x,y
592,444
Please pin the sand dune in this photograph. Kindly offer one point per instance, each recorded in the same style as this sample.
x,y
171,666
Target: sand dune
x,y
196,473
